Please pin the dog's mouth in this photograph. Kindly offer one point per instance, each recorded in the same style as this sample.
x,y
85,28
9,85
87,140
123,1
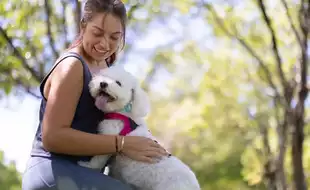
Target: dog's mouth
x,y
105,96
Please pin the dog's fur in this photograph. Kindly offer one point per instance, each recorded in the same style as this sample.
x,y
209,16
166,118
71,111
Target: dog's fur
x,y
169,173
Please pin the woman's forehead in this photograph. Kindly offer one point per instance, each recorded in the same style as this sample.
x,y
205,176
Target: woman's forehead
x,y
107,22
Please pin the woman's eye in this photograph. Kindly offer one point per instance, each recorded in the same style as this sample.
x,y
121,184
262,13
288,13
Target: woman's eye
x,y
119,83
97,33
114,38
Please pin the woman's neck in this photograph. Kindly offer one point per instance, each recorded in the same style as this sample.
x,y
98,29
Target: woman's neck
x,y
93,65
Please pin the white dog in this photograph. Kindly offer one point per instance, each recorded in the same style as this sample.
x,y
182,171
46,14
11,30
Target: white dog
x,y
118,92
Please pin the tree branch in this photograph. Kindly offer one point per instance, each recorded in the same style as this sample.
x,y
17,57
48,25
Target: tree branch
x,y
299,114
129,19
77,15
282,141
149,77
26,88
33,50
305,46
300,17
29,91
132,10
34,73
291,21
274,43
64,23
34,54
303,63
246,46
17,82
270,168
49,31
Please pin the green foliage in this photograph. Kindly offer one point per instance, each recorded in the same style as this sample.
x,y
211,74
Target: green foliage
x,y
218,96
10,179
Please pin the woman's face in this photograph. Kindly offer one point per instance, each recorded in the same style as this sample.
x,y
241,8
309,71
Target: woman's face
x,y
102,36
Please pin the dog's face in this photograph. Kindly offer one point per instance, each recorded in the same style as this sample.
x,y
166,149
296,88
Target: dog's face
x,y
113,88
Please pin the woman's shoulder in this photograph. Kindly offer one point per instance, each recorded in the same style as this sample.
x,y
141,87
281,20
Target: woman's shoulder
x,y
67,74
68,67
66,71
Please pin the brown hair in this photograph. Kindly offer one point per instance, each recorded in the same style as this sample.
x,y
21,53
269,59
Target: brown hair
x,y
115,7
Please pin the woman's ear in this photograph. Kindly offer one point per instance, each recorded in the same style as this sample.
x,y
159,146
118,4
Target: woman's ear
x,y
140,102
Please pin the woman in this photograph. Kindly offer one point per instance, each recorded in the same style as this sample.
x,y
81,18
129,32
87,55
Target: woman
x,y
68,118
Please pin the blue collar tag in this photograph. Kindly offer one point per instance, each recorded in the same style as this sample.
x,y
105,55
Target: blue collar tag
x,y
128,108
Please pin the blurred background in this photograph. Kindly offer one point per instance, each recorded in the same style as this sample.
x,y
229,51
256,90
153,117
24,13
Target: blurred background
x,y
228,80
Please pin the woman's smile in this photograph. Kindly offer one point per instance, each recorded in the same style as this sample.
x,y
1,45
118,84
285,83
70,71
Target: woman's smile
x,y
101,51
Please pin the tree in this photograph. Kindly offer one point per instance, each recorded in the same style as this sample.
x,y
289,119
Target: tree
x,y
33,35
289,85
277,106
236,97
10,179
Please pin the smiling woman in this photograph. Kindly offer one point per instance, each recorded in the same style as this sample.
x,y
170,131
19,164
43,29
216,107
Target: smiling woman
x,y
100,40
67,131
102,32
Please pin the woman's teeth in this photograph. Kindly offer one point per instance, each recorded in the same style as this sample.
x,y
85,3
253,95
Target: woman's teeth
x,y
100,51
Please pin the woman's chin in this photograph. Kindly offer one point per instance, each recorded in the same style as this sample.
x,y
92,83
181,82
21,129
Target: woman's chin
x,y
99,58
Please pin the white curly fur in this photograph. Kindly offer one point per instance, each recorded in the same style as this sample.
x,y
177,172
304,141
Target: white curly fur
x,y
169,173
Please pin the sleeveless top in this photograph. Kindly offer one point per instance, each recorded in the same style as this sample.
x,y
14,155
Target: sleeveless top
x,y
86,117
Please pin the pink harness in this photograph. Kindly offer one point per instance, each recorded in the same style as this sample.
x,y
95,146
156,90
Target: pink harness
x,y
129,124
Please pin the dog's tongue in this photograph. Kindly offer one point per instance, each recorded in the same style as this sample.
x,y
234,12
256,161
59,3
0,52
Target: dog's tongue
x,y
101,101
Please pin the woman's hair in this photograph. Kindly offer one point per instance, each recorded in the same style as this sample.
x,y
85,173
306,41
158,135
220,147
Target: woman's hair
x,y
114,7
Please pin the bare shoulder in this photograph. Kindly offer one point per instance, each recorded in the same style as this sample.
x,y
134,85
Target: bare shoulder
x,y
66,81
65,89
70,67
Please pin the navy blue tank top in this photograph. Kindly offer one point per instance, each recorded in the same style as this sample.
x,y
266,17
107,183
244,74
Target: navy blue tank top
x,y
86,117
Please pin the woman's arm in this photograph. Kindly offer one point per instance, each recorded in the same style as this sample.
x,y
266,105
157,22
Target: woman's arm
x,y
66,83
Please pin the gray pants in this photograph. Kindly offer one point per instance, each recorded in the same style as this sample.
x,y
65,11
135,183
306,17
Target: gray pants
x,y
59,174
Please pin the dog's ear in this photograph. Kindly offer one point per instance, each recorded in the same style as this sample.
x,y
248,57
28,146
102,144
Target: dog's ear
x,y
140,102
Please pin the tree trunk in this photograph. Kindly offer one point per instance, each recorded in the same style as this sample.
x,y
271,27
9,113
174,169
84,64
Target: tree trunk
x,y
280,169
299,112
78,15
271,181
297,153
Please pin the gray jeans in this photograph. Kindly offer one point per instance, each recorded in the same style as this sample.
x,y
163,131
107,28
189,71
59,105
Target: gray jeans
x,y
59,174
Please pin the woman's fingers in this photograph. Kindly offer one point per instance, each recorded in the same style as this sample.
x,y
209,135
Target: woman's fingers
x,y
145,150
147,160
162,150
153,143
153,153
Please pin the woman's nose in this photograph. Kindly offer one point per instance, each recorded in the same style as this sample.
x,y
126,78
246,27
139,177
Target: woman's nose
x,y
105,43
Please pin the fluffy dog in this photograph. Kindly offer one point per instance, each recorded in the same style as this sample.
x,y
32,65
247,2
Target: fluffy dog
x,y
118,92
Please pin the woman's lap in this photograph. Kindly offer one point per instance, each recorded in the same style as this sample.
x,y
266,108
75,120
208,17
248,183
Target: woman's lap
x,y
56,174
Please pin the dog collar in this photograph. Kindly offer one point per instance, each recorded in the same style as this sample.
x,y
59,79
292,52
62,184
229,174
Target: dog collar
x,y
128,107
129,124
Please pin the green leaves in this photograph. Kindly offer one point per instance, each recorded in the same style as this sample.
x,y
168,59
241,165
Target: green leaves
x,y
214,100
10,179
184,6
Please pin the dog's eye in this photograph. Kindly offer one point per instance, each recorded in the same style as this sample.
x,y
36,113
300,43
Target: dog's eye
x,y
119,83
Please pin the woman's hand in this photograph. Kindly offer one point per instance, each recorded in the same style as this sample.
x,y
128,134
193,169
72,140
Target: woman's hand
x,y
143,149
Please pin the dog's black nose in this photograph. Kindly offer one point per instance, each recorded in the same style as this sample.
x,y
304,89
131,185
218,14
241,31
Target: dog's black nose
x,y
103,84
